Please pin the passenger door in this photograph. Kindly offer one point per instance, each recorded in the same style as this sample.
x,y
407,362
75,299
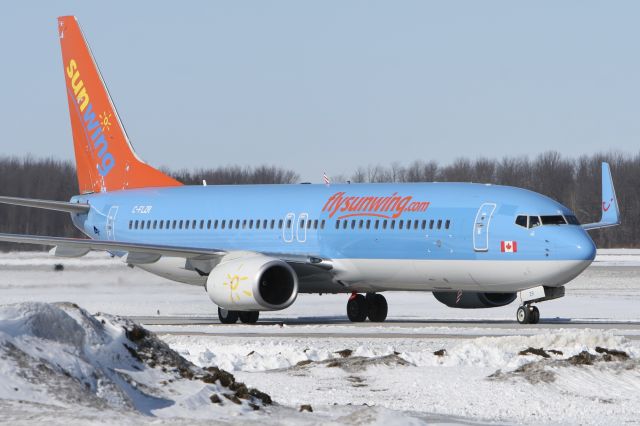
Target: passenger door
x,y
481,227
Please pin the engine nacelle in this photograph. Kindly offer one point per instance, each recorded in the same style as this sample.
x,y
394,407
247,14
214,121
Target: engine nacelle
x,y
474,300
252,282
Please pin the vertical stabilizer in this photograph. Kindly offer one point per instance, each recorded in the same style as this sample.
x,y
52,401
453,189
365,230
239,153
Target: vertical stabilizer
x,y
105,160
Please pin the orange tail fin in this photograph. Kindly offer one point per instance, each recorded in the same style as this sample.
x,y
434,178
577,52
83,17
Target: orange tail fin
x,y
104,157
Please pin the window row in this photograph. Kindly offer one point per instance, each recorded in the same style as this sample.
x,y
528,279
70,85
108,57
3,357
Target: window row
x,y
224,224
391,224
288,224
535,221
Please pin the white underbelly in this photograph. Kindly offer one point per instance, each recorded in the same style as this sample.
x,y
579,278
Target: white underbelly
x,y
472,275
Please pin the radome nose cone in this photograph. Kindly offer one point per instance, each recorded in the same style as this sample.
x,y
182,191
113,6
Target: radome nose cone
x,y
585,246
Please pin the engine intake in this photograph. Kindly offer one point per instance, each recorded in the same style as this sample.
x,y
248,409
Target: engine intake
x,y
252,282
474,300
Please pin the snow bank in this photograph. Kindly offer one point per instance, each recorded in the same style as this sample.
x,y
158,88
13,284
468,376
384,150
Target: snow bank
x,y
59,355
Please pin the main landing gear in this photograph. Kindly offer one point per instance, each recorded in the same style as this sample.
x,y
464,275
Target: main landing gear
x,y
231,317
527,314
373,306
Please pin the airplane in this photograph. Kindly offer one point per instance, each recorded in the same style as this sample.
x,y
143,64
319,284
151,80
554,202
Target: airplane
x,y
254,248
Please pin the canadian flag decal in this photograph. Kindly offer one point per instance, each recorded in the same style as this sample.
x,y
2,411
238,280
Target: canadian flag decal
x,y
509,246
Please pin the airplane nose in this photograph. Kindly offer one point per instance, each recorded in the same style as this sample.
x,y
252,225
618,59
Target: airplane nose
x,y
584,245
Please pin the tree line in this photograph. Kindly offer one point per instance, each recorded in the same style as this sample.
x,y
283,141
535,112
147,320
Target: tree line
x,y
574,182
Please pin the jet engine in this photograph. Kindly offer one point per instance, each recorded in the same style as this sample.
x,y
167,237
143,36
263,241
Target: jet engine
x,y
252,282
474,300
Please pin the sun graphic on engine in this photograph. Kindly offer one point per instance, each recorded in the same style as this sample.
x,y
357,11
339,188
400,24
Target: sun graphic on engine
x,y
234,282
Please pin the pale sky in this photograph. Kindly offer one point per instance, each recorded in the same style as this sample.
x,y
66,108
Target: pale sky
x,y
332,85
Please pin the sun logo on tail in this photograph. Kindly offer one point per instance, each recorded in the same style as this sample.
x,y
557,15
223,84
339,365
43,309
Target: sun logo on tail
x,y
234,282
105,120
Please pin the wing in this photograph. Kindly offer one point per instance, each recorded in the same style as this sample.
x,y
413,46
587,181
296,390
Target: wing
x,y
135,252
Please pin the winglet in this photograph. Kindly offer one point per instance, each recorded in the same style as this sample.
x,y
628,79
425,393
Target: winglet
x,y
610,210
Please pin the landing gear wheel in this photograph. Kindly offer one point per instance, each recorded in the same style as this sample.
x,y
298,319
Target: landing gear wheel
x,y
377,307
249,317
534,315
227,317
357,308
523,315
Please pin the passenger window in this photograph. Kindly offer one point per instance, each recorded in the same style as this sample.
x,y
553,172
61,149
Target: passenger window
x,y
315,224
273,222
368,223
431,224
193,224
439,223
186,224
376,224
534,221
136,225
222,224
521,221
280,224
409,224
309,223
338,224
424,224
344,224
446,224
360,224
215,224
353,224
322,224
201,223
553,220
174,224
130,224
257,224
393,224
180,224
209,224
415,224
264,224
288,223
161,224
251,224
384,224
400,224
237,223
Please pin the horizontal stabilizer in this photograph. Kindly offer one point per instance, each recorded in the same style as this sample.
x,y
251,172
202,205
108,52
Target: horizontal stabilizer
x,y
62,206
610,211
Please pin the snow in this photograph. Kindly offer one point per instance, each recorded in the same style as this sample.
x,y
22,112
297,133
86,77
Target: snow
x,y
295,357
456,384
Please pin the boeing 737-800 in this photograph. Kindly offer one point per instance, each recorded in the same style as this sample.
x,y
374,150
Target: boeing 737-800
x,y
255,247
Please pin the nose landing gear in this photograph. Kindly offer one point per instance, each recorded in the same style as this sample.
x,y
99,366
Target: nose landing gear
x,y
373,306
528,314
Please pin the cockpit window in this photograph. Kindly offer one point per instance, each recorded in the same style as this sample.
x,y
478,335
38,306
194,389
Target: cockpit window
x,y
553,220
572,220
521,221
534,221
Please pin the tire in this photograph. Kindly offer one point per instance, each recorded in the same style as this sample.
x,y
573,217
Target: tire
x,y
523,315
249,317
535,315
377,308
227,317
357,308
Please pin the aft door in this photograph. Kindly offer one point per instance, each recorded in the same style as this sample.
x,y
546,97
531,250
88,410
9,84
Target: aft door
x,y
481,227
111,219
